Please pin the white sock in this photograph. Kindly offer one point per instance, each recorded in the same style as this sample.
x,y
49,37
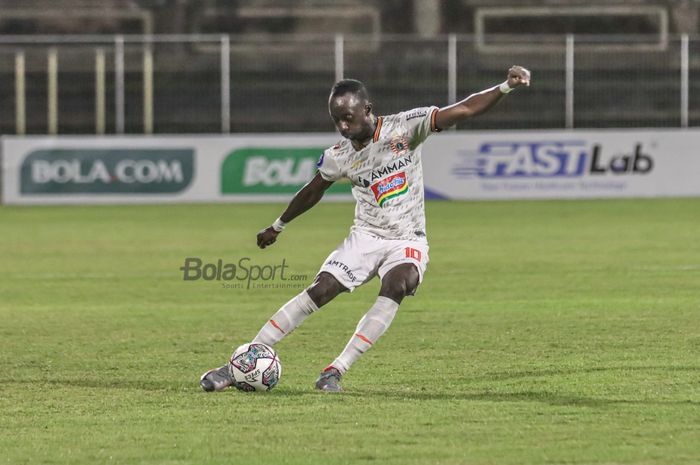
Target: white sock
x,y
286,320
375,322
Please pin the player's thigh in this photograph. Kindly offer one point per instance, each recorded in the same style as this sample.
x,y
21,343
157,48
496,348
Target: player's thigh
x,y
410,260
355,261
399,282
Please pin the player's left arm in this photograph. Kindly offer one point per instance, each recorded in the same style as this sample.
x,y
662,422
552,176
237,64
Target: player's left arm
x,y
481,102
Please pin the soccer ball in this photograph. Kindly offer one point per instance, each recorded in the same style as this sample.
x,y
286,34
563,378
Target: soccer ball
x,y
255,367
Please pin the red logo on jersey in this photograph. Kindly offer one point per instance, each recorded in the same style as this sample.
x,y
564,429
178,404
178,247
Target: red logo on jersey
x,y
390,187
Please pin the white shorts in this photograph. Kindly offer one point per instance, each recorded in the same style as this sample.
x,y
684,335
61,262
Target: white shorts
x,y
362,256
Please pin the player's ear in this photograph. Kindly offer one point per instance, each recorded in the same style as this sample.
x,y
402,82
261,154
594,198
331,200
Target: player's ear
x,y
368,108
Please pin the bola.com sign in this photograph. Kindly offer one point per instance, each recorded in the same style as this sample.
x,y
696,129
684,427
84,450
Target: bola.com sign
x,y
83,170
63,171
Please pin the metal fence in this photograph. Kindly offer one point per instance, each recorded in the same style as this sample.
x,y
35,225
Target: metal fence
x,y
222,84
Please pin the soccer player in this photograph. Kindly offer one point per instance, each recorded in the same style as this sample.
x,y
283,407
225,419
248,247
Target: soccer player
x,y
381,156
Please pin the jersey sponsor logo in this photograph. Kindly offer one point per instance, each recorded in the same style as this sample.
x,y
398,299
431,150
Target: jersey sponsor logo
x,y
389,188
550,159
346,269
416,114
374,175
399,145
363,182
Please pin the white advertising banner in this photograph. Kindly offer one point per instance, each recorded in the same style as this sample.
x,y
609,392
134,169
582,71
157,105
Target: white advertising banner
x,y
562,164
272,167
140,169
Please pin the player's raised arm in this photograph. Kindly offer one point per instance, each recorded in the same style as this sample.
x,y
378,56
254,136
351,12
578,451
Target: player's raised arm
x,y
307,197
480,102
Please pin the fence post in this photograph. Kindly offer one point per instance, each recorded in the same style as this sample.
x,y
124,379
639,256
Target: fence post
x,y
685,65
100,91
147,87
225,84
52,92
569,109
119,84
20,94
339,57
451,69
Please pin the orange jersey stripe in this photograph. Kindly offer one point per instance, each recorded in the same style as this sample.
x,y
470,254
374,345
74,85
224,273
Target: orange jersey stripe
x,y
377,130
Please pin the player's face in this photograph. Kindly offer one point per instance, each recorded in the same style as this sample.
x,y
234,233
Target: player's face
x,y
351,116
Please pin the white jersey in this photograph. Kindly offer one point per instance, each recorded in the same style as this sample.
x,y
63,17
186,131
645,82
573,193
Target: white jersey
x,y
387,175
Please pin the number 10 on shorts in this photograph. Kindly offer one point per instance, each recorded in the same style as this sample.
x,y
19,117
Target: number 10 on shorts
x,y
412,253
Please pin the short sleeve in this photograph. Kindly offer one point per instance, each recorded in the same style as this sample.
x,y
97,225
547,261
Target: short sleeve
x,y
328,167
421,123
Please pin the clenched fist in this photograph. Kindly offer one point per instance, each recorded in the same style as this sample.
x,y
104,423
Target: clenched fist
x,y
518,76
266,237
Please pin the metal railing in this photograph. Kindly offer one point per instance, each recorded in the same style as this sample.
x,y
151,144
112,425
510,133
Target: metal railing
x,y
222,83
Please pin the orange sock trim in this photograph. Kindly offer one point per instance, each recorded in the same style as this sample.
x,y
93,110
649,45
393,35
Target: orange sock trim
x,y
274,323
363,338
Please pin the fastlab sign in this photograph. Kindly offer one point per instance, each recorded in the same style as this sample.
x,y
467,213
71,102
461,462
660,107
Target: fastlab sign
x,y
106,171
551,159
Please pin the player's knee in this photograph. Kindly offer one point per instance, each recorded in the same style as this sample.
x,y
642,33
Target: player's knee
x,y
324,289
400,282
412,281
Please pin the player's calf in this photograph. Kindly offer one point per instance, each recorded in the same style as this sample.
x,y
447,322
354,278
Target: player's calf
x,y
370,328
287,319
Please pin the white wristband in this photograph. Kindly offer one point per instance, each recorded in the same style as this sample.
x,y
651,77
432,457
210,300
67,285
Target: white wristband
x,y
279,225
505,88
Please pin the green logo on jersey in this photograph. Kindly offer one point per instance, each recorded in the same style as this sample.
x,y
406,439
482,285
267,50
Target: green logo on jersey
x,y
278,170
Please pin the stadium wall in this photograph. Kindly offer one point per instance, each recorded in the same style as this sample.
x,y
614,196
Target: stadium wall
x,y
272,167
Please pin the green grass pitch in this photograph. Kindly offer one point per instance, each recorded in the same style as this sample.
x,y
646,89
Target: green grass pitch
x,y
544,333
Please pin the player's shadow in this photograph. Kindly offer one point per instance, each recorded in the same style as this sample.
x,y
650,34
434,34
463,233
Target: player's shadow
x,y
544,397
513,375
547,397
479,393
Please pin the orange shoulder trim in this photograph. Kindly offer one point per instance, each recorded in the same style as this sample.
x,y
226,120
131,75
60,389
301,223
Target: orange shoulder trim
x,y
378,129
433,119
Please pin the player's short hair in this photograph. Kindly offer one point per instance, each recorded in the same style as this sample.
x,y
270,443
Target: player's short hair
x,y
349,86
